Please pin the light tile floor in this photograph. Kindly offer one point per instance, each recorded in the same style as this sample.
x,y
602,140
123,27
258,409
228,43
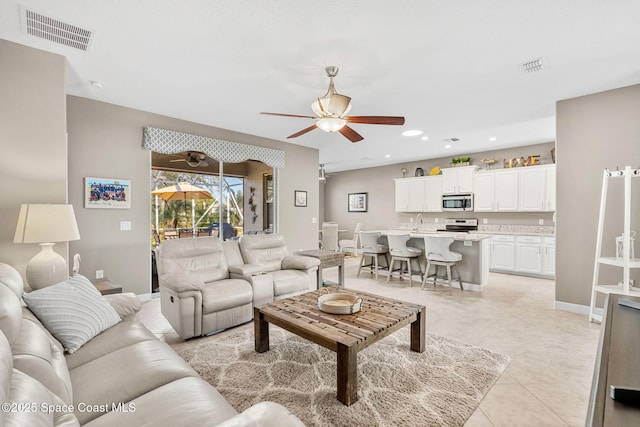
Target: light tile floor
x,y
552,352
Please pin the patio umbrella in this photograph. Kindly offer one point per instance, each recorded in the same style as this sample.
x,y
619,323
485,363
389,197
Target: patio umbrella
x,y
184,191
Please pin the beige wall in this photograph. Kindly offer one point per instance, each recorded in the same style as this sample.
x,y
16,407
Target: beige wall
x,y
33,164
593,132
379,183
105,141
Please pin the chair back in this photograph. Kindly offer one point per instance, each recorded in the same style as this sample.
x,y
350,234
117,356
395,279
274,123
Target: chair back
x,y
436,248
356,233
330,236
267,250
201,258
370,245
398,245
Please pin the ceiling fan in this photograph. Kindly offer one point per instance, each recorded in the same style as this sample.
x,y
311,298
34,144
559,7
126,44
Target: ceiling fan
x,y
194,159
331,113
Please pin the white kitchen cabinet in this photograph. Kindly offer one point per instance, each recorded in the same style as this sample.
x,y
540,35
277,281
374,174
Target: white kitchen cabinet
x,y
549,256
496,191
529,254
416,194
537,188
532,189
458,180
506,190
503,252
550,193
433,194
402,195
483,192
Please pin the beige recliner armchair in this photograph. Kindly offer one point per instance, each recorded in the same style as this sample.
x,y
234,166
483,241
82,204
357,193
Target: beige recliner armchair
x,y
292,274
197,295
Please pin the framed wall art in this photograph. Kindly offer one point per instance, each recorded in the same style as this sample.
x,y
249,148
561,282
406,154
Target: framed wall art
x,y
357,202
107,193
300,198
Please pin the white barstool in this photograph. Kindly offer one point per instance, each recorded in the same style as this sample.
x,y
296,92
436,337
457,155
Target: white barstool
x,y
400,252
437,253
374,250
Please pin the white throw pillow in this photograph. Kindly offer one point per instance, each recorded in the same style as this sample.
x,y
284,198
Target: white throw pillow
x,y
73,311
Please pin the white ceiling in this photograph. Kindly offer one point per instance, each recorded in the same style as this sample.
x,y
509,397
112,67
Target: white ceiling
x,y
452,68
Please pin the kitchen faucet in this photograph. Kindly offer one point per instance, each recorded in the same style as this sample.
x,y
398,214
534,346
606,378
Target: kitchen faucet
x,y
419,217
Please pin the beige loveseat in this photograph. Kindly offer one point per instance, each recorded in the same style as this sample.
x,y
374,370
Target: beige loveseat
x,y
207,285
122,377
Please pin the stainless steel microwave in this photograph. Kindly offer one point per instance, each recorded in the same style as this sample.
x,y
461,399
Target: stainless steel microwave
x,y
457,202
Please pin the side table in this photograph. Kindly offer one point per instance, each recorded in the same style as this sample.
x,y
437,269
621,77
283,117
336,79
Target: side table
x,y
106,286
327,259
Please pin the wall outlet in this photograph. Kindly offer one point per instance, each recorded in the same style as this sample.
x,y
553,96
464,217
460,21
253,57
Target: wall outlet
x,y
485,220
99,274
410,219
314,220
435,220
125,225
541,221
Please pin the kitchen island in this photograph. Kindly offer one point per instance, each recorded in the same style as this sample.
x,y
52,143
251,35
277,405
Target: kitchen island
x,y
474,247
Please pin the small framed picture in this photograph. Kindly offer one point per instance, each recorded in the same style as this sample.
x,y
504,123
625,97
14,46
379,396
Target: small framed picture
x,y
107,193
357,202
300,198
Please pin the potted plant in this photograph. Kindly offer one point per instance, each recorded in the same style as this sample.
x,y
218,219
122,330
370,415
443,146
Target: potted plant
x,y
460,161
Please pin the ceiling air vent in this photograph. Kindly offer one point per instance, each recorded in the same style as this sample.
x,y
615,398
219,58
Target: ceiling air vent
x,y
454,139
534,65
56,31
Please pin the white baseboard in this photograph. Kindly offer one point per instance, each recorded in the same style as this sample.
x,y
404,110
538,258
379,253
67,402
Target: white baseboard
x,y
572,308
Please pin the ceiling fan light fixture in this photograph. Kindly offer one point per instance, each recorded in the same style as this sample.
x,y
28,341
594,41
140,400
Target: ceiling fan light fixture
x,y
331,124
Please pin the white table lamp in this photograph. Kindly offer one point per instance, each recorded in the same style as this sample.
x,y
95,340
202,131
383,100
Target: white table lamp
x,y
46,225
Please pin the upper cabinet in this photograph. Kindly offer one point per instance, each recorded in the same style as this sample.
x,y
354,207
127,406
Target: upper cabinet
x,y
420,194
526,189
458,180
496,191
537,189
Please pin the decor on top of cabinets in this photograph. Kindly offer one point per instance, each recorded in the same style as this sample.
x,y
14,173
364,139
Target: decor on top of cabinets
x,y
404,172
460,161
107,193
489,162
357,202
419,172
300,198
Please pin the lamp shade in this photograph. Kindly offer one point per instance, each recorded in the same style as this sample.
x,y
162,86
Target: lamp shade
x,y
46,224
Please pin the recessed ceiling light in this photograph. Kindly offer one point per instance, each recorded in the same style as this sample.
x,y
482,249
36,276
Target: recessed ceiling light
x,y
425,138
447,146
493,138
97,84
386,156
413,132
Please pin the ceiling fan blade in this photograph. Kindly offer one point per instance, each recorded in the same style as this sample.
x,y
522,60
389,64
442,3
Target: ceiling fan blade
x,y
350,134
338,104
289,115
178,160
376,120
303,131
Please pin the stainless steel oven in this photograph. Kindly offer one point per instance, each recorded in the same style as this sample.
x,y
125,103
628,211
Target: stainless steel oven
x,y
457,202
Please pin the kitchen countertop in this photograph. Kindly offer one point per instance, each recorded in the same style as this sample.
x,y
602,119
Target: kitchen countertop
x,y
418,234
520,230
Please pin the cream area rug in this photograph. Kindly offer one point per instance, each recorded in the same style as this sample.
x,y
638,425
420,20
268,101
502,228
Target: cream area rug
x,y
396,387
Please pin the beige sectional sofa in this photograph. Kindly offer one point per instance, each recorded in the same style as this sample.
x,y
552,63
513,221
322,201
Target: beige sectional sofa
x,y
123,376
207,285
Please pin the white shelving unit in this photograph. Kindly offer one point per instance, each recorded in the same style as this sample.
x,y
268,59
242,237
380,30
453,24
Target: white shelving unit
x,y
625,262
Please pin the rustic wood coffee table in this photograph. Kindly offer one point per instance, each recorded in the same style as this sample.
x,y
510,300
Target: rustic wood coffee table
x,y
346,334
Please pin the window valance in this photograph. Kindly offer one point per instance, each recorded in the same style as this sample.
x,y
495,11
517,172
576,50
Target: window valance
x,y
168,142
